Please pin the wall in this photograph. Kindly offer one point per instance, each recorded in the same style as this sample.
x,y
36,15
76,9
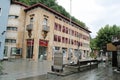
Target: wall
x,y
39,15
17,10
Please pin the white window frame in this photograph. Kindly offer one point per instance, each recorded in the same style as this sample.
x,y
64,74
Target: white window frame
x,y
0,11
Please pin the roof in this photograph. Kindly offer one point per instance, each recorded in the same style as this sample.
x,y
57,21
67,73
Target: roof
x,y
53,11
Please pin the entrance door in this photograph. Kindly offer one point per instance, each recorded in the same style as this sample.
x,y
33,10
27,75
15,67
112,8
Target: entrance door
x,y
29,52
42,53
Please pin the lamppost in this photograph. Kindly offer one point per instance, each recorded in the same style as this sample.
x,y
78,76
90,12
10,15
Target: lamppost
x,y
101,54
69,49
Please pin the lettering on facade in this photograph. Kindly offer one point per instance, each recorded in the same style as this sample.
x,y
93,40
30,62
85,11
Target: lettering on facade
x,y
43,43
30,42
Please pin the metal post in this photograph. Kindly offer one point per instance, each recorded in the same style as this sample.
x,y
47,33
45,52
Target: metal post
x,y
69,53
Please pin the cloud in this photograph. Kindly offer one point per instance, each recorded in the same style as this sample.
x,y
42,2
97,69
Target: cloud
x,y
94,13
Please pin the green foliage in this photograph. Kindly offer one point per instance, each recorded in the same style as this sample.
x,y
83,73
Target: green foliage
x,y
53,5
79,22
93,44
93,55
105,34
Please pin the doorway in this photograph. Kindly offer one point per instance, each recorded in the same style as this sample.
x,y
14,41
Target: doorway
x,y
29,52
42,53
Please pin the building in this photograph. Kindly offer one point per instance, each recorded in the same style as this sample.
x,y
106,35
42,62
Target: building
x,y
4,10
44,31
116,54
15,29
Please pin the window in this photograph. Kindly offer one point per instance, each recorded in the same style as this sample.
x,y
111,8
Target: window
x,y
13,50
66,40
31,20
66,30
55,37
12,17
72,42
59,28
56,26
63,30
63,39
81,43
57,48
10,41
73,32
59,38
12,28
0,11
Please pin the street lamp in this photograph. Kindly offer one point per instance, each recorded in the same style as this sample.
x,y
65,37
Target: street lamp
x,y
101,54
69,49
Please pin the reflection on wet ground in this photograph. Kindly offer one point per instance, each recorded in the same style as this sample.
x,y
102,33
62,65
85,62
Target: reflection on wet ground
x,y
100,73
31,70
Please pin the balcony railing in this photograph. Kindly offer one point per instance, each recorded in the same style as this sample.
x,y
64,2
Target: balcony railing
x,y
45,28
29,27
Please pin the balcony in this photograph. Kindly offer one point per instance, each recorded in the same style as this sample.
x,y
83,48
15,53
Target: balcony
x,y
45,28
29,27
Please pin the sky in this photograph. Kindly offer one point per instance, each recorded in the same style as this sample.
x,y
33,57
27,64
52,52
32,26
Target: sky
x,y
94,13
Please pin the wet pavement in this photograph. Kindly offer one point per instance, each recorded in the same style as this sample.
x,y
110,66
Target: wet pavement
x,y
100,73
20,68
31,70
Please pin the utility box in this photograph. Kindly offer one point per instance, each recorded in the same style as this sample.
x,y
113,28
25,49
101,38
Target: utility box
x,y
58,62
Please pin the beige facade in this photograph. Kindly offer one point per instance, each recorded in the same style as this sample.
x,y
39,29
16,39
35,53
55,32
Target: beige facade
x,y
60,34
14,30
44,31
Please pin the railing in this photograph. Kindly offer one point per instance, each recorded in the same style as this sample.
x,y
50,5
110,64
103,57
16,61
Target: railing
x,y
29,27
45,28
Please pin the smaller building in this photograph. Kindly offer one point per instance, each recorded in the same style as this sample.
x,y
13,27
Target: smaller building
x,y
116,55
4,10
114,47
15,29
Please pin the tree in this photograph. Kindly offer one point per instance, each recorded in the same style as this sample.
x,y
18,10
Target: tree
x,y
93,44
105,34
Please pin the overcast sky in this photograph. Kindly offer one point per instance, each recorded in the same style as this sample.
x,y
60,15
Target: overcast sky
x,y
94,13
